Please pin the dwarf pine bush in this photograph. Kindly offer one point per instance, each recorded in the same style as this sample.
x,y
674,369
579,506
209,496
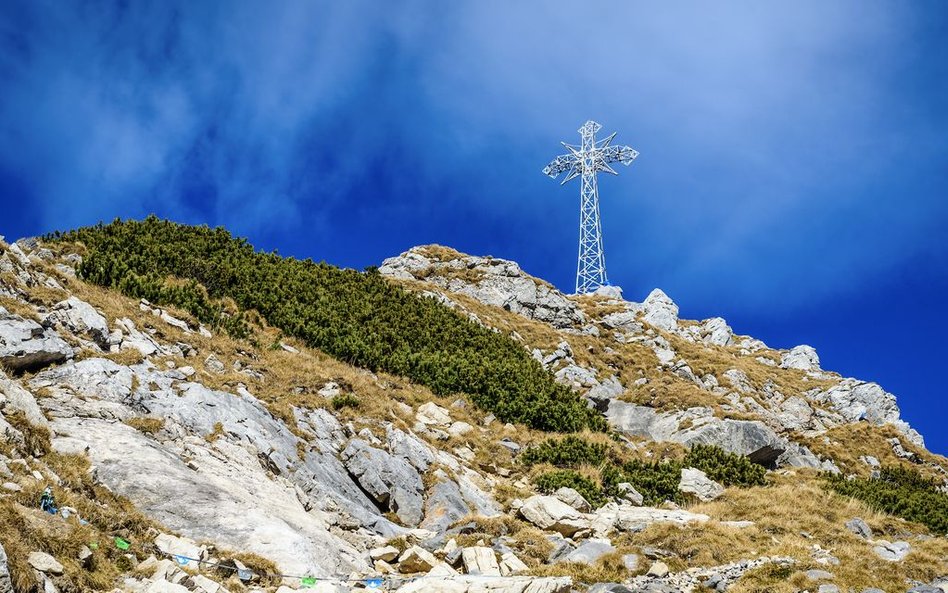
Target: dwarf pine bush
x,y
656,481
899,491
357,317
570,451
550,482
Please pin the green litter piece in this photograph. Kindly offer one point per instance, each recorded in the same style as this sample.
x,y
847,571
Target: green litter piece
x,y
308,581
121,544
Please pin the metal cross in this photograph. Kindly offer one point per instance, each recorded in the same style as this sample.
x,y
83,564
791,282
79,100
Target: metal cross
x,y
588,160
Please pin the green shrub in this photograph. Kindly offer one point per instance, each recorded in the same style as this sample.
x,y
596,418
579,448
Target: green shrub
x,y
656,481
899,491
729,469
358,317
550,482
570,451
344,400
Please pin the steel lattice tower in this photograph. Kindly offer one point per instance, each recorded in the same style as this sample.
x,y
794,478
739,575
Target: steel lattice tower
x,y
588,160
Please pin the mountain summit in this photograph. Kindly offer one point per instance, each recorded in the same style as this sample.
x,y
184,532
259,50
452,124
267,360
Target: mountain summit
x,y
211,418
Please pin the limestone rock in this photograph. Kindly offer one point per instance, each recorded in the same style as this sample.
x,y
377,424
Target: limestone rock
x,y
610,588
572,498
694,481
409,447
6,584
386,553
818,575
391,481
179,546
432,413
445,505
459,429
744,437
548,512
511,565
858,400
19,399
80,318
43,562
716,331
891,551
629,518
660,311
480,560
84,557
26,345
247,490
416,559
801,357
658,569
492,281
214,364
485,584
590,551
859,527
629,493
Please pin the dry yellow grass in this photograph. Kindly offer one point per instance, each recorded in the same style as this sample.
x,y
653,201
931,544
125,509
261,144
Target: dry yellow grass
x,y
796,505
595,306
147,425
850,441
24,528
608,569
529,543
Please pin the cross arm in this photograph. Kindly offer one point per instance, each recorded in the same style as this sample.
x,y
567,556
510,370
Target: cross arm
x,y
560,164
619,154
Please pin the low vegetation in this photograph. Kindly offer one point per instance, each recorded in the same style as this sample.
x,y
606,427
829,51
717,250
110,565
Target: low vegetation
x,y
357,317
656,481
550,482
146,424
902,492
571,451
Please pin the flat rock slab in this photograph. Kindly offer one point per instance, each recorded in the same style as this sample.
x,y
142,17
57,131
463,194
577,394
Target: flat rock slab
x,y
589,551
45,563
482,584
26,345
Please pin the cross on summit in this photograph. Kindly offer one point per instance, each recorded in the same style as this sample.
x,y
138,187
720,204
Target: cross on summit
x,y
587,160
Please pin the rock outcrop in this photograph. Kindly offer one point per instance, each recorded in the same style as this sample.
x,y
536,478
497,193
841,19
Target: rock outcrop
x,y
27,345
745,437
492,281
6,585
214,443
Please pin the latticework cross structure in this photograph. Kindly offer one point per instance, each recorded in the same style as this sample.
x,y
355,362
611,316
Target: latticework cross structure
x,y
587,160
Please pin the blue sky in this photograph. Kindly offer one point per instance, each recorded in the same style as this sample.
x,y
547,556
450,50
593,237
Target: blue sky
x,y
792,178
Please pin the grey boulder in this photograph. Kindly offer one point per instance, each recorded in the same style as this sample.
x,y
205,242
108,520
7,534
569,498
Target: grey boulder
x,y
27,345
694,481
859,527
891,551
660,311
6,585
589,551
80,318
801,357
445,505
391,481
744,437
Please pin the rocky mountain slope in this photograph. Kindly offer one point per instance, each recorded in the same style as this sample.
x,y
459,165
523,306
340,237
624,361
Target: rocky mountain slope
x,y
193,454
